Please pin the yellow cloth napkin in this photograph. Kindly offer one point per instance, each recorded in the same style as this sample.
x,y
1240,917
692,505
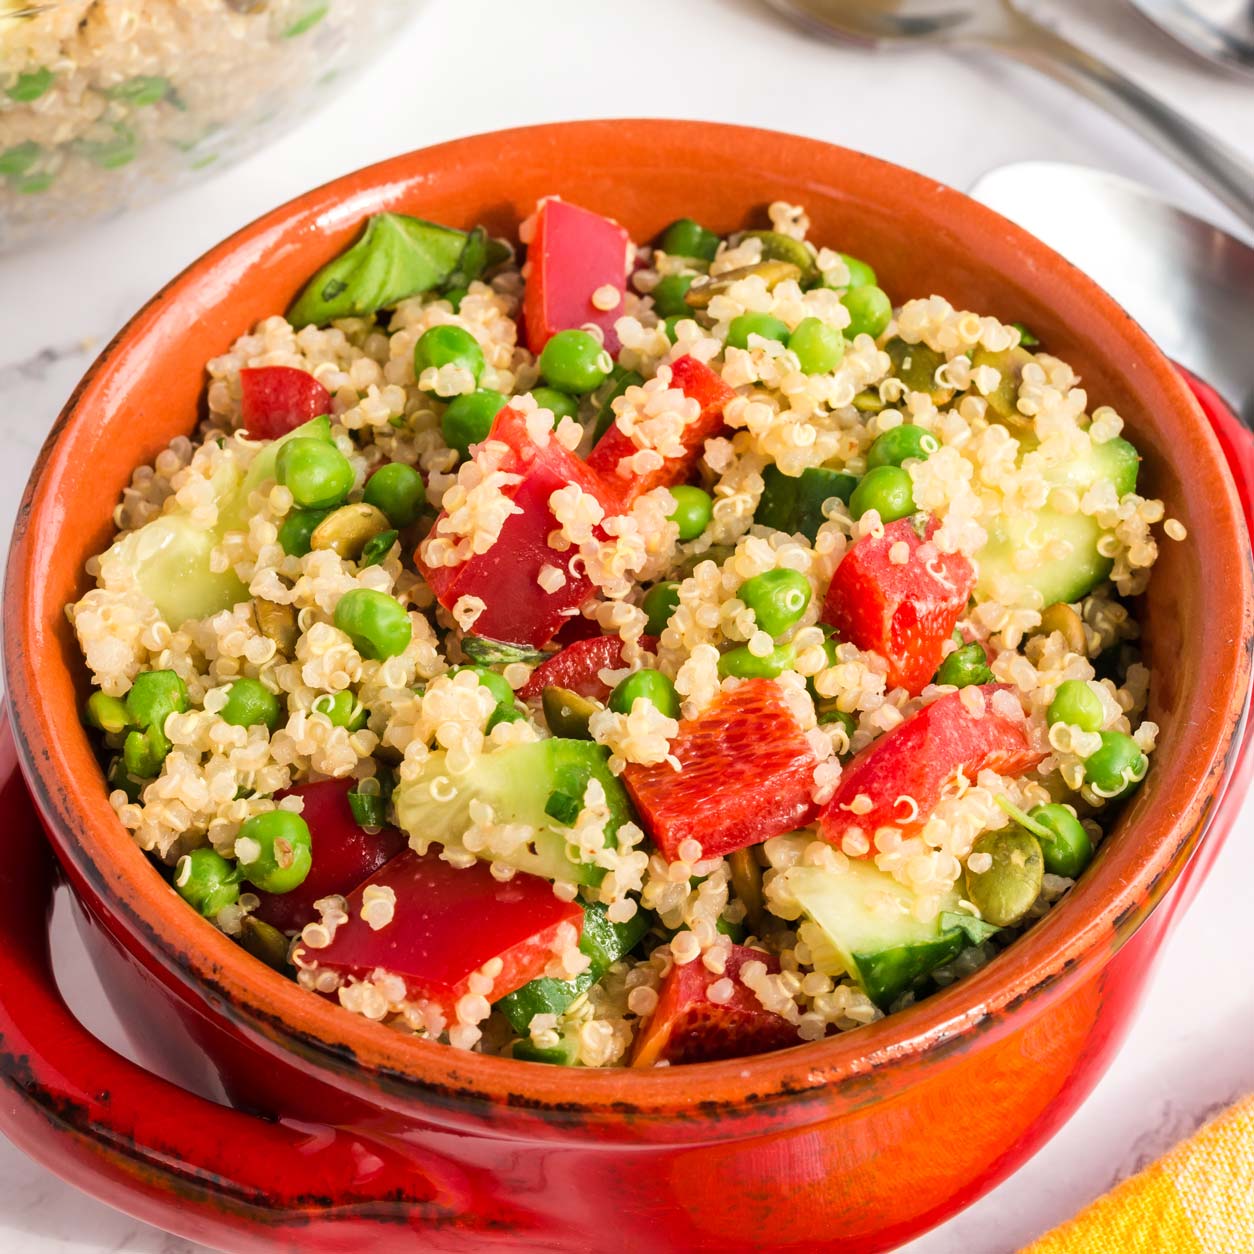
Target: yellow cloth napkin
x,y
1198,1199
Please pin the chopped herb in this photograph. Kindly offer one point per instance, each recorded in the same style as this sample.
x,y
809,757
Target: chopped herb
x,y
977,930
377,548
31,85
563,807
499,652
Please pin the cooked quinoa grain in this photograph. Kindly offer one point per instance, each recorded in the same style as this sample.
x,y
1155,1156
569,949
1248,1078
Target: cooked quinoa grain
x,y
855,728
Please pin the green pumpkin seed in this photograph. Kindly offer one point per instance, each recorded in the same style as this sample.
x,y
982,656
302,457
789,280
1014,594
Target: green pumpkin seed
x,y
773,272
567,713
1007,890
349,529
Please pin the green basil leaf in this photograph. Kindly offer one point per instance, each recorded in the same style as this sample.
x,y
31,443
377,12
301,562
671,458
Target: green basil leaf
x,y
377,548
18,160
396,257
977,930
31,85
143,89
499,652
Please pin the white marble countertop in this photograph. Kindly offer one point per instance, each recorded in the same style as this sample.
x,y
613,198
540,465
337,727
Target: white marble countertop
x,y
464,68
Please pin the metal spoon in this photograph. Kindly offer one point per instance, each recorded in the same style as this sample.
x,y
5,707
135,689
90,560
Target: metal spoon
x,y
1003,27
1189,284
1219,30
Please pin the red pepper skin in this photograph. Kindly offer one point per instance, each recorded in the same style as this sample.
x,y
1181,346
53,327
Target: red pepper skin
x,y
518,609
688,1027
572,253
448,922
343,854
578,665
697,381
919,757
905,613
277,399
746,774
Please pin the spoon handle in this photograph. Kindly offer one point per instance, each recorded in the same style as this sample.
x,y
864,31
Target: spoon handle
x,y
1220,168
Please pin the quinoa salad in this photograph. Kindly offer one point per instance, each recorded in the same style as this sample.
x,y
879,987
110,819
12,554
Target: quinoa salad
x,y
609,653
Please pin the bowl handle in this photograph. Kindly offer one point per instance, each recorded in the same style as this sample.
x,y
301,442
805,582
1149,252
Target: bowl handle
x,y
150,1148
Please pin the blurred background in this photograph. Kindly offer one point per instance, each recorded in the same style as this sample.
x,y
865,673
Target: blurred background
x,y
455,67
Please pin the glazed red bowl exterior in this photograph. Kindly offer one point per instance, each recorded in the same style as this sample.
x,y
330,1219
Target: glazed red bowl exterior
x,y
341,1135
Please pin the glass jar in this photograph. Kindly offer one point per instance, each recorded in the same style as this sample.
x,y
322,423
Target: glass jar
x,y
107,102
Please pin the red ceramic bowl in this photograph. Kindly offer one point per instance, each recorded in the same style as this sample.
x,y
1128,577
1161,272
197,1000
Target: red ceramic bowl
x,y
343,1135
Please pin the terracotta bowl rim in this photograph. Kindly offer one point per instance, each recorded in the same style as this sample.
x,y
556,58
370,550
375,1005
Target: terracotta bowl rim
x,y
1099,915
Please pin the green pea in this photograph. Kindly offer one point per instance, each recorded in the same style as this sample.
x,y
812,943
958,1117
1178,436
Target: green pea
x,y
397,490
575,361
342,709
778,599
659,604
901,444
316,473
567,713
650,685
496,684
561,405
965,666
144,752
504,714
668,295
747,324
870,311
693,511
826,711
154,696
1008,889
18,160
860,274
448,345
1117,767
31,85
143,89
249,703
1076,703
1065,844
469,418
297,528
818,345
206,881
275,851
107,714
686,238
671,326
745,665
888,490
377,624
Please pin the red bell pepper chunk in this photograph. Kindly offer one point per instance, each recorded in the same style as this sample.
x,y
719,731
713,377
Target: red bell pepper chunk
x,y
343,854
688,1027
277,399
572,253
699,383
578,666
447,924
903,774
904,612
746,773
518,609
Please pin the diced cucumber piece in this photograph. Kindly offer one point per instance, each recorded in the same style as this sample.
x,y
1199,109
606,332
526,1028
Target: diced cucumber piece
x,y
867,918
170,555
619,381
1015,560
517,782
604,943
796,504
564,1054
